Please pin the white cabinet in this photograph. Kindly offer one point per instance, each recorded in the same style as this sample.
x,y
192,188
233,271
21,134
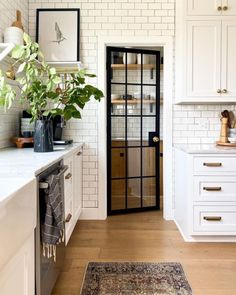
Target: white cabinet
x,y
203,58
211,7
205,196
228,58
68,190
205,51
78,184
17,277
204,7
73,191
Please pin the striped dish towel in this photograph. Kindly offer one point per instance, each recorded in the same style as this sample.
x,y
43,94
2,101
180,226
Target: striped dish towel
x,y
53,226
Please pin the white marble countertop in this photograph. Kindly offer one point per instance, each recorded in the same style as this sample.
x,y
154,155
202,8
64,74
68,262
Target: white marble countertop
x,y
19,166
211,149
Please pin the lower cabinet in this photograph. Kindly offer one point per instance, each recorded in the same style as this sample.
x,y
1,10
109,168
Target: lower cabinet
x,y
73,191
205,196
17,277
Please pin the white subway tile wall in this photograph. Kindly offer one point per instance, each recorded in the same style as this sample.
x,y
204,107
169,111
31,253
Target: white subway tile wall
x,y
195,124
9,122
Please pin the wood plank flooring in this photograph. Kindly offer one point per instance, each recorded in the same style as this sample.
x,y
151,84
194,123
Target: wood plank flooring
x,y
210,267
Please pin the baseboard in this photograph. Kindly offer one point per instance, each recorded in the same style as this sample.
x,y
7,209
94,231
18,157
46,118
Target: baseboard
x,y
91,214
205,239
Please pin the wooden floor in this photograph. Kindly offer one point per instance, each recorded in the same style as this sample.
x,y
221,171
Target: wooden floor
x,y
210,267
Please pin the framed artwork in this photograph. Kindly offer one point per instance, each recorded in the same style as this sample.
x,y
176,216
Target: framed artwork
x,y
57,32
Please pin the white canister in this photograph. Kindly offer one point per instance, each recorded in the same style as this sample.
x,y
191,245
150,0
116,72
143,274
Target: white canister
x,y
13,35
145,59
131,58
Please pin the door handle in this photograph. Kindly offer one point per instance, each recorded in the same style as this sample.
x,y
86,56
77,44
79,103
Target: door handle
x,y
224,91
156,139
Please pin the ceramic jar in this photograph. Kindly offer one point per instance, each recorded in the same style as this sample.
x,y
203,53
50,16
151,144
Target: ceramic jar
x,y
13,35
131,58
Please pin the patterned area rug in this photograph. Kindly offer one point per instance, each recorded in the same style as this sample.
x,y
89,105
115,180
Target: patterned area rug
x,y
138,278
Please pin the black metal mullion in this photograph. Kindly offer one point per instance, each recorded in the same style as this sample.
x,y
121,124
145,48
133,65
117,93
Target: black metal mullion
x,y
141,134
158,129
132,84
109,135
126,129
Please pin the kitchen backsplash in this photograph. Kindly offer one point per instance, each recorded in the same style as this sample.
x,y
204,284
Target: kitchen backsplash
x,y
9,122
193,124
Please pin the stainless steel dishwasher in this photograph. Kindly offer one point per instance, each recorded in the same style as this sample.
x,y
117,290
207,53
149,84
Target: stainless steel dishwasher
x,y
46,270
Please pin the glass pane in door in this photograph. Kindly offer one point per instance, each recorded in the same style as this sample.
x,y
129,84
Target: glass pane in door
x,y
134,193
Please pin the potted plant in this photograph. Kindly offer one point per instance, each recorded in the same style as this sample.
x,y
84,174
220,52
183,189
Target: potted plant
x,y
38,83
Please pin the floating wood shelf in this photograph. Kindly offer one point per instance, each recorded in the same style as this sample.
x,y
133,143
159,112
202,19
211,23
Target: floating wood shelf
x,y
135,101
134,66
132,101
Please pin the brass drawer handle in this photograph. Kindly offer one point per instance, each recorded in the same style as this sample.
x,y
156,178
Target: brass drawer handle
x,y
68,218
68,176
79,153
219,8
218,91
225,8
212,164
212,218
224,91
212,189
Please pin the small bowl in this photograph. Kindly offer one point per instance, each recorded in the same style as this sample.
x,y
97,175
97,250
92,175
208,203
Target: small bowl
x,y
115,96
232,139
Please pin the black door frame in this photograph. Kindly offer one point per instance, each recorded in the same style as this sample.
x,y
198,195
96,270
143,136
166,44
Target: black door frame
x,y
109,50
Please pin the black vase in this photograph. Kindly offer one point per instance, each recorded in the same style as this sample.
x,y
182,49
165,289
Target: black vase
x,y
43,136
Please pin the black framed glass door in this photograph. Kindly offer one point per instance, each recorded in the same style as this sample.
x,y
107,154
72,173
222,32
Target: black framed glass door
x,y
133,123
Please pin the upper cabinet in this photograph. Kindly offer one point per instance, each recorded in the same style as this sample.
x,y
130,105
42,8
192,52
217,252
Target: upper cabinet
x,y
205,52
211,7
228,60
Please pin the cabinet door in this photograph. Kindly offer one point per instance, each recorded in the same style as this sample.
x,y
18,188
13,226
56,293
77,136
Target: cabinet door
x,y
203,58
229,58
229,7
204,7
17,277
78,184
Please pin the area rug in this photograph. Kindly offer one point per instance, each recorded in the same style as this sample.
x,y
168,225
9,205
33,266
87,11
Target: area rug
x,y
138,278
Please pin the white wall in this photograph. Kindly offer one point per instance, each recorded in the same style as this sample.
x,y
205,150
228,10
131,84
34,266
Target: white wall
x,y
195,124
9,122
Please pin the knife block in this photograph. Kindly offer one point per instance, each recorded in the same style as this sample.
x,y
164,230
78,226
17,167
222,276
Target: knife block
x,y
224,130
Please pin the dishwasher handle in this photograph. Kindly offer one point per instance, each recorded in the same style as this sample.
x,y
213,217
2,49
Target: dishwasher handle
x,y
44,185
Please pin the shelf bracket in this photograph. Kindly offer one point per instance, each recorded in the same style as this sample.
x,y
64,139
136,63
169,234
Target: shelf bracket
x,y
151,73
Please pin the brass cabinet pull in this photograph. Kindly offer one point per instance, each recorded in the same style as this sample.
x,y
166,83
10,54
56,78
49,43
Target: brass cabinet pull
x,y
224,91
212,218
212,164
219,8
156,139
68,218
68,176
218,90
225,8
212,189
79,153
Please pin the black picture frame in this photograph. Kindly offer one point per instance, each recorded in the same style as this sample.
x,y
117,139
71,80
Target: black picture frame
x,y
45,12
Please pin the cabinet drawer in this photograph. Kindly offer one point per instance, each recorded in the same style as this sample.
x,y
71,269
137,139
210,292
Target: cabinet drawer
x,y
215,164
214,188
68,177
215,219
68,219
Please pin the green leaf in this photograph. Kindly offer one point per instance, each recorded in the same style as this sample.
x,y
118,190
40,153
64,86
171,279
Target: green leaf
x,y
18,52
52,71
26,38
21,67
